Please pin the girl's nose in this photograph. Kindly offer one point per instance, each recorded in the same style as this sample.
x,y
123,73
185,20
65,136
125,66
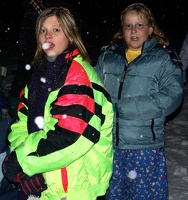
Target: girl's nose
x,y
48,34
133,29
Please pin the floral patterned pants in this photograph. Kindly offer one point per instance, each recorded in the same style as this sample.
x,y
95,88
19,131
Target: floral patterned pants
x,y
138,175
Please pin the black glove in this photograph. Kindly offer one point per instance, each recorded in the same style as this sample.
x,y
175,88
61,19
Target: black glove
x,y
10,167
33,185
13,172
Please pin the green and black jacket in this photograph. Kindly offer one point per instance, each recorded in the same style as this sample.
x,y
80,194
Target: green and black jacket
x,y
73,149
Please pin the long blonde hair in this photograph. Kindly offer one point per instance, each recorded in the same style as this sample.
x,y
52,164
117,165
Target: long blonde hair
x,y
69,27
141,9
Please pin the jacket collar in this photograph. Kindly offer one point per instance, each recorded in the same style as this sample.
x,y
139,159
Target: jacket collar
x,y
149,44
72,53
120,46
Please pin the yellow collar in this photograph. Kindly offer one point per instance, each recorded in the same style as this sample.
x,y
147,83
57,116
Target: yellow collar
x,y
131,55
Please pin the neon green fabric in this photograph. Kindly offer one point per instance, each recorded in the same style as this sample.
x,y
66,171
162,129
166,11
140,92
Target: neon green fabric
x,y
88,164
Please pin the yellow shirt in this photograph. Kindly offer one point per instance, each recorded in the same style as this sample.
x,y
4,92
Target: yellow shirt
x,y
131,55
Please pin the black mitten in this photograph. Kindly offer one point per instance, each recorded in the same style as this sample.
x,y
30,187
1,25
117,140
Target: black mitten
x,y
10,167
33,185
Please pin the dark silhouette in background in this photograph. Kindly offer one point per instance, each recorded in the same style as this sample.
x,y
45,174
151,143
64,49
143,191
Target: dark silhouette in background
x,y
184,57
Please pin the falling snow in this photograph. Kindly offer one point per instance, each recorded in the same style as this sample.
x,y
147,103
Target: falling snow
x,y
28,67
39,121
132,174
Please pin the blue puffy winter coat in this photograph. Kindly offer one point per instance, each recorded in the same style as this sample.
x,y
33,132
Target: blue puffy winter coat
x,y
151,90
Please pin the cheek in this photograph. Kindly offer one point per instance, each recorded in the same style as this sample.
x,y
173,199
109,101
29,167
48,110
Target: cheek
x,y
65,42
61,45
40,40
145,34
126,36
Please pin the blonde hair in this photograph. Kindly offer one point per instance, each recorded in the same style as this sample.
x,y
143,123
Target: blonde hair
x,y
69,27
141,9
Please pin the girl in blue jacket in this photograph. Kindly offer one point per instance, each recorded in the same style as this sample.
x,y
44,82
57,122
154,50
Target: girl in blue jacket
x,y
145,85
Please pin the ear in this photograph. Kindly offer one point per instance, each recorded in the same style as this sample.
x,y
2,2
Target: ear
x,y
150,30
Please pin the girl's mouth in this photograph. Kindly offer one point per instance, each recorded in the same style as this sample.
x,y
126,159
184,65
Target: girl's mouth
x,y
46,45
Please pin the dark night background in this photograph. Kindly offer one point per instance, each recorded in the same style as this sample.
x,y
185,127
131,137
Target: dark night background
x,y
100,20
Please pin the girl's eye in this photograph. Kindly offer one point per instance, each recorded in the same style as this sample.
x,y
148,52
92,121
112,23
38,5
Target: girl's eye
x,y
56,30
127,26
43,31
140,25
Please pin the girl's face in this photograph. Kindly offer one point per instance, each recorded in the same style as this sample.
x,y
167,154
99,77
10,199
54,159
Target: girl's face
x,y
136,30
52,38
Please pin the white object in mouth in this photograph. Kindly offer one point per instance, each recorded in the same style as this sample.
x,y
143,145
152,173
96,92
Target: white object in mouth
x,y
46,45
